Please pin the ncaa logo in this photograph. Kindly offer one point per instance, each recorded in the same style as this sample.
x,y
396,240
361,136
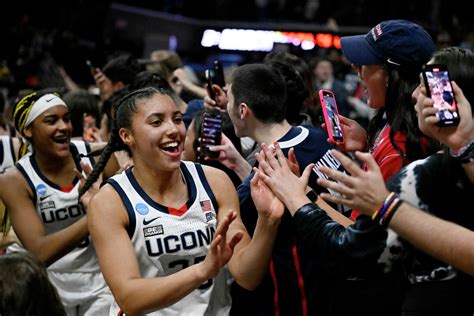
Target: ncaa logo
x,y
141,208
41,189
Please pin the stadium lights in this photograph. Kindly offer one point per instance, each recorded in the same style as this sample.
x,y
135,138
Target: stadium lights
x,y
263,40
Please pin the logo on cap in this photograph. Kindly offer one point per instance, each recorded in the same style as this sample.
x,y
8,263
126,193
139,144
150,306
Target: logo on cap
x,y
377,32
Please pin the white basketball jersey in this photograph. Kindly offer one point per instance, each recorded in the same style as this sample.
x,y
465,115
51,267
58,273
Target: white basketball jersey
x,y
7,153
165,243
58,209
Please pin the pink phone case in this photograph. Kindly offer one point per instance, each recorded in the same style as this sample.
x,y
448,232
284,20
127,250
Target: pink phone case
x,y
331,117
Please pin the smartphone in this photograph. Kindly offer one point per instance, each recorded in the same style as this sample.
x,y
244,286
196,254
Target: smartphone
x,y
439,89
210,77
210,134
331,117
219,74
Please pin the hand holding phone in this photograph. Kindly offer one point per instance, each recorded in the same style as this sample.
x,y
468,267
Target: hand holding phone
x,y
210,134
439,89
331,117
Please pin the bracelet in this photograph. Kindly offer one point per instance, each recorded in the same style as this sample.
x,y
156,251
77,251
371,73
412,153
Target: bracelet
x,y
383,206
385,213
312,196
388,216
465,154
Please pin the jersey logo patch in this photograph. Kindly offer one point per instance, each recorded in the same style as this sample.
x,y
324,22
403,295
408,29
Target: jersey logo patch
x,y
209,216
42,198
153,231
141,208
46,205
41,189
145,222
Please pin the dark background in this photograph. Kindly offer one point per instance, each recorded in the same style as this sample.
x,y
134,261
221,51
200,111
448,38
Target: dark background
x,y
37,37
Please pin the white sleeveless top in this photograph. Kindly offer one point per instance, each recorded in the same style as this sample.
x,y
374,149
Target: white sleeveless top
x,y
7,153
167,241
58,209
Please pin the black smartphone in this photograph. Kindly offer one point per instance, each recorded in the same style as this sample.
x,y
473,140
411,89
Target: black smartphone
x,y
219,74
439,89
210,134
210,77
331,117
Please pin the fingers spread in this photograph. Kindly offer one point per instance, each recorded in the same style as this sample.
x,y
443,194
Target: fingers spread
x,y
347,163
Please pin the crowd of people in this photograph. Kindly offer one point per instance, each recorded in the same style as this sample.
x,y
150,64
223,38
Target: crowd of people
x,y
109,205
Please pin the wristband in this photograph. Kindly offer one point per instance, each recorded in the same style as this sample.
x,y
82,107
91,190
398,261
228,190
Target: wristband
x,y
465,154
384,214
312,196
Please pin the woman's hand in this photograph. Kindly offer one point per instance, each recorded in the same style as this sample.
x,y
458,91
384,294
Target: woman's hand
x,y
221,250
266,202
230,157
355,136
87,196
454,137
362,190
279,176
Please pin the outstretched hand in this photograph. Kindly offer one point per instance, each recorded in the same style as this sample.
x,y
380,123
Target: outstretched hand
x,y
362,190
221,249
266,202
279,175
87,196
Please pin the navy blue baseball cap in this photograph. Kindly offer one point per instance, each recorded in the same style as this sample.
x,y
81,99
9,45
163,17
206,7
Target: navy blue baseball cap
x,y
397,43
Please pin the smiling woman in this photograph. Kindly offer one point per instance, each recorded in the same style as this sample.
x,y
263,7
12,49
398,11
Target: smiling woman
x,y
42,200
175,224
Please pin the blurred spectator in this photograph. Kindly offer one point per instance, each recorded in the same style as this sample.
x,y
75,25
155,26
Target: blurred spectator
x,y
84,114
25,288
323,75
181,78
116,74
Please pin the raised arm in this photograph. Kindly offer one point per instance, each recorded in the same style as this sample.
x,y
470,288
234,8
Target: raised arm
x,y
457,138
339,247
366,191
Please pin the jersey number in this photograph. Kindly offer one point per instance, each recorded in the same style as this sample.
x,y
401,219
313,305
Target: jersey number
x,y
185,263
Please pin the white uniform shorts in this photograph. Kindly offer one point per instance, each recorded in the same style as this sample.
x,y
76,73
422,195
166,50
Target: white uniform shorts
x,y
82,293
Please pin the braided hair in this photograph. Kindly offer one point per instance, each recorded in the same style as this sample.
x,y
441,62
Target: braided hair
x,y
123,119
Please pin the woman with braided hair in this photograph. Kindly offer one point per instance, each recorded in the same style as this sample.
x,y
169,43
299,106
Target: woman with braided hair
x,y
41,196
165,228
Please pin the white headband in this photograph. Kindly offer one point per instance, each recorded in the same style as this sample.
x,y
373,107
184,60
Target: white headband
x,y
43,104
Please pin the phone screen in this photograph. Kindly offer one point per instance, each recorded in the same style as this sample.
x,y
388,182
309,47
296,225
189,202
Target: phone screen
x,y
331,118
211,132
439,89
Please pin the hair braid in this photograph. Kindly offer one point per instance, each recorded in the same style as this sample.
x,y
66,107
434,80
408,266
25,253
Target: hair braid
x,y
114,144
